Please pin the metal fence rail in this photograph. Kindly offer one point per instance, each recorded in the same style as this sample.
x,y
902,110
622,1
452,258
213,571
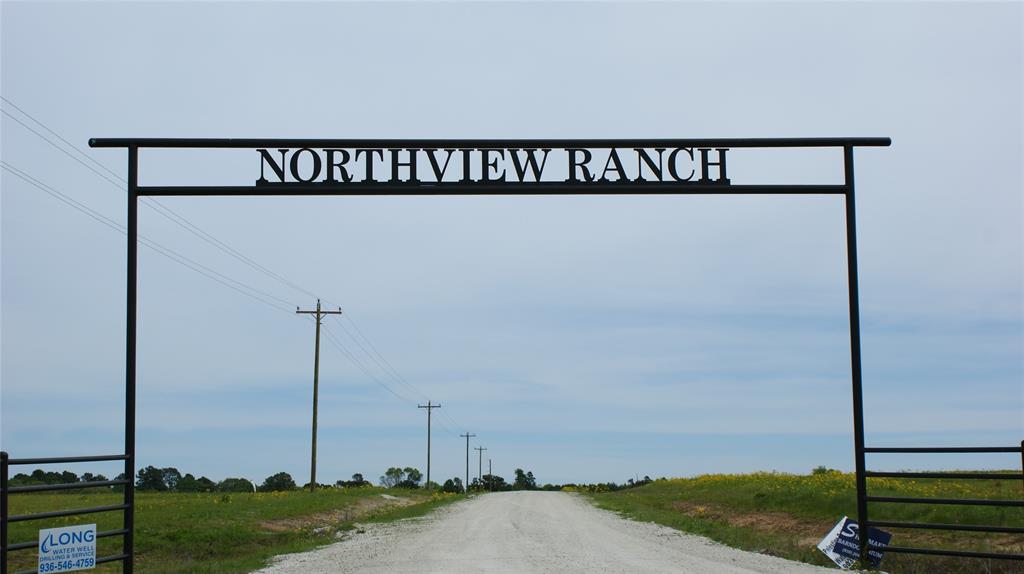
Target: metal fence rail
x,y
864,498
6,518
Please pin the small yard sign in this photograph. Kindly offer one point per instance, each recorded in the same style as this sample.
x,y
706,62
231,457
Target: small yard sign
x,y
67,549
842,544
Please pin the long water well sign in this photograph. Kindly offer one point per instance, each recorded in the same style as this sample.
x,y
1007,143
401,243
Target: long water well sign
x,y
67,549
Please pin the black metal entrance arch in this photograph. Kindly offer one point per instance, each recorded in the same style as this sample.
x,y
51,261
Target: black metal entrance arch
x,y
471,186
702,156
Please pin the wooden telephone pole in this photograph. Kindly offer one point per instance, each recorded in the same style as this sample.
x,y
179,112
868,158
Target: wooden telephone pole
x,y
480,464
430,407
467,436
316,383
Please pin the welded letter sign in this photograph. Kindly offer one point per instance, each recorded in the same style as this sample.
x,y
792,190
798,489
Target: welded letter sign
x,y
485,167
67,549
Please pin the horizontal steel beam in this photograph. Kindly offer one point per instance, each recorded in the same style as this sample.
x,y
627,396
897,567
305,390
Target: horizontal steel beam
x,y
65,459
72,512
113,558
963,501
492,188
961,553
65,486
947,449
488,143
972,475
32,544
937,526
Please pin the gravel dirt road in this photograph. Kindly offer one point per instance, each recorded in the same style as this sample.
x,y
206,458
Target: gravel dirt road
x,y
524,533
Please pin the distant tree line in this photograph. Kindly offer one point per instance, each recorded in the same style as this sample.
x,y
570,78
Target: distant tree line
x,y
39,476
494,483
601,486
356,482
155,479
170,479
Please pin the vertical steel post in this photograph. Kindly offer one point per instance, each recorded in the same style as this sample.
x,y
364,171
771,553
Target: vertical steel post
x,y
3,513
1022,455
130,332
855,370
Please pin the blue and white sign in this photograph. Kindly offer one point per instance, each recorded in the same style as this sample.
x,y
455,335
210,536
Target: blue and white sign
x,y
842,544
67,549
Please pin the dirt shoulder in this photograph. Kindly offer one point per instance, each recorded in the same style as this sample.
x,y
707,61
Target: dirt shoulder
x,y
363,508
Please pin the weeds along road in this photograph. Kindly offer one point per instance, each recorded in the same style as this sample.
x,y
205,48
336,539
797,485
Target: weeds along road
x,y
523,533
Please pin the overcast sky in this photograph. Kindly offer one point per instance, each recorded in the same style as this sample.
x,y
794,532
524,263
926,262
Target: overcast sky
x,y
584,338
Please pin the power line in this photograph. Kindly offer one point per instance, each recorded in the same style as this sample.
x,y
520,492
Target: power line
x,y
156,205
332,338
58,136
258,295
451,420
201,269
60,149
187,225
205,236
229,282
375,359
194,266
447,428
376,356
388,368
391,368
381,361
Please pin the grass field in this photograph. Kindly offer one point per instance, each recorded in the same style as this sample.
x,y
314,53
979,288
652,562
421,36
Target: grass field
x,y
787,515
216,532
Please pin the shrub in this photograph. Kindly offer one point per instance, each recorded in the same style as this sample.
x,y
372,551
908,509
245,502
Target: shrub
x,y
278,482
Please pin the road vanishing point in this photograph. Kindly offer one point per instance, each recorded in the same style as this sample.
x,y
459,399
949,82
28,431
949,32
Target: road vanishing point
x,y
528,533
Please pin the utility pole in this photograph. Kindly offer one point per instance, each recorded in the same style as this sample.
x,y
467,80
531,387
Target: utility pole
x,y
490,473
467,436
480,464
316,383
430,407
